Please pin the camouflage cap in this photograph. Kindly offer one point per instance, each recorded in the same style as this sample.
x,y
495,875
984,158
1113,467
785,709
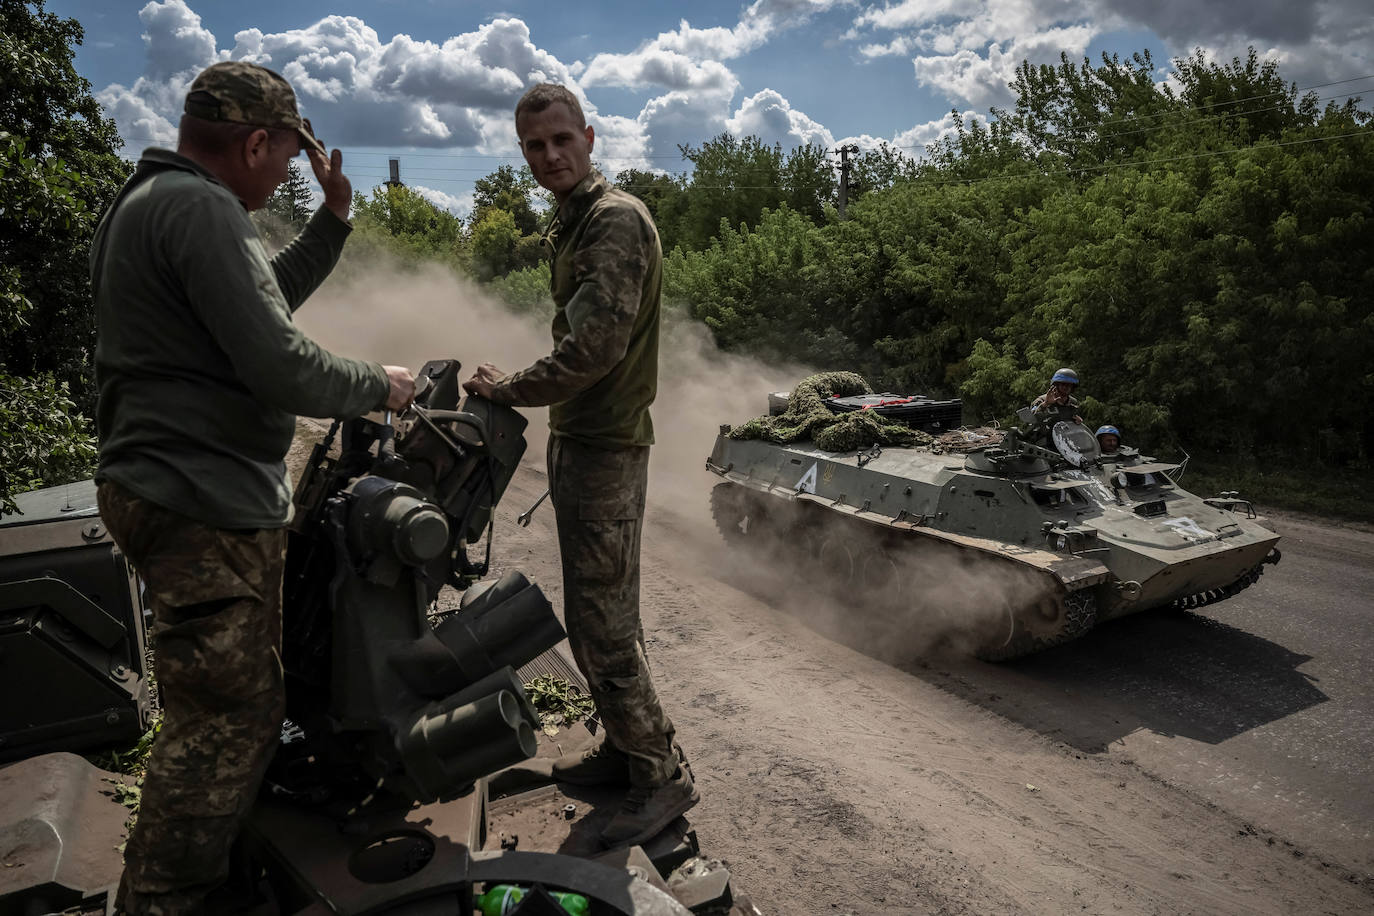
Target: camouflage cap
x,y
238,92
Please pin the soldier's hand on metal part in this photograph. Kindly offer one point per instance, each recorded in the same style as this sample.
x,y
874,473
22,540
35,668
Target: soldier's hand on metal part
x,y
338,190
483,380
402,383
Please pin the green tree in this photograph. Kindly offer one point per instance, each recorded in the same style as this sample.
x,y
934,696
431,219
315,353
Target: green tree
x,y
754,289
1085,115
43,439
291,201
288,209
662,194
736,180
733,181
493,244
1201,254
526,289
881,167
59,168
509,190
809,181
417,226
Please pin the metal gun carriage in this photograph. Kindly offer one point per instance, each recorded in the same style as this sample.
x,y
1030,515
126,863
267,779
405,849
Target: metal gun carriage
x,y
378,797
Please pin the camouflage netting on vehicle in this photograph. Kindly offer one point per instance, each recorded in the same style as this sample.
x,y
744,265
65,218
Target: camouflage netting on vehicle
x,y
807,417
968,439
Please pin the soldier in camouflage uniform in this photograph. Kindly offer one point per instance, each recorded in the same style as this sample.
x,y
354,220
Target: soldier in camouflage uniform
x,y
200,371
599,382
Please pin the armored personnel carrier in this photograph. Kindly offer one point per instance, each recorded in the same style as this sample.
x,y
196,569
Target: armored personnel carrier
x,y
857,483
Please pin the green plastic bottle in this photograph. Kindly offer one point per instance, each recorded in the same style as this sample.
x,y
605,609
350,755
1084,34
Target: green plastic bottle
x,y
502,898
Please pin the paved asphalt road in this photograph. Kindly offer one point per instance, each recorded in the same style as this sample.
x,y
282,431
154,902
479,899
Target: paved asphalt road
x,y
1262,705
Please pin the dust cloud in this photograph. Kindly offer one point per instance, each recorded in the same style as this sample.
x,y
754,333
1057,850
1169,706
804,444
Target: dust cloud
x,y
898,597
887,600
701,388
403,315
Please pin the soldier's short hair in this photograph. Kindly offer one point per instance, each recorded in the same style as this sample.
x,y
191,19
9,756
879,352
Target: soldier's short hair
x,y
540,97
217,136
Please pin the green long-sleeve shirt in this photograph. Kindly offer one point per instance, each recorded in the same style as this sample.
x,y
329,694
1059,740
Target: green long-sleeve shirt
x,y
200,368
606,277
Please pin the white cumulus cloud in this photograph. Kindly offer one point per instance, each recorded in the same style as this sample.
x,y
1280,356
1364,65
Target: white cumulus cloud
x,y
657,67
771,118
459,205
969,51
356,88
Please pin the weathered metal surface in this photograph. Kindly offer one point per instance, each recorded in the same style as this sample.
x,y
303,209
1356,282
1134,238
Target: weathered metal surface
x,y
72,650
60,833
376,801
554,663
371,859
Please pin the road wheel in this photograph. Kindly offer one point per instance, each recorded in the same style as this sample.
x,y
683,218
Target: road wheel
x,y
1077,615
737,512
882,580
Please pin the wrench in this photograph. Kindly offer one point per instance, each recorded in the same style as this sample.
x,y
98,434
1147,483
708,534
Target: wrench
x,y
523,519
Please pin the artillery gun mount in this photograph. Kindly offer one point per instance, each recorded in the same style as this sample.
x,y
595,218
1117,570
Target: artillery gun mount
x,y
379,798
1081,537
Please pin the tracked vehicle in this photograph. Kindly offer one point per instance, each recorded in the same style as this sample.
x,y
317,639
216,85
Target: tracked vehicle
x,y
1086,537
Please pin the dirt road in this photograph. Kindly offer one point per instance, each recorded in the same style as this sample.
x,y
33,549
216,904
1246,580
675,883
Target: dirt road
x,y
835,783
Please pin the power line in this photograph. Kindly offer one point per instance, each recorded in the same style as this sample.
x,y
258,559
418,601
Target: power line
x,y
425,173
1252,98
1126,120
1214,117
1068,171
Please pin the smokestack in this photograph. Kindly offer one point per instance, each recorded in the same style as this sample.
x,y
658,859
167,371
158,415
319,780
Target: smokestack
x,y
395,179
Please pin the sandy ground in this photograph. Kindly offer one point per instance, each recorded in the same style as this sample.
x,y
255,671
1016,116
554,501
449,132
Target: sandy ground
x,y
835,783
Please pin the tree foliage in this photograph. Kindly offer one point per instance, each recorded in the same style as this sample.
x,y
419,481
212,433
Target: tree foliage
x,y
43,439
496,246
663,195
291,201
735,180
58,169
410,225
1200,250
509,190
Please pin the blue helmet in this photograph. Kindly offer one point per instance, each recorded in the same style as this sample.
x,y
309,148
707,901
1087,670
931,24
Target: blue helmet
x,y
1066,375
1105,430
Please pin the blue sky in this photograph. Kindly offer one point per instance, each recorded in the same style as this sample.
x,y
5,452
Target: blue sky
x,y
433,82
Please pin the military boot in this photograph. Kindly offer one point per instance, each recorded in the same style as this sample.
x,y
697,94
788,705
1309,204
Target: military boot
x,y
602,764
647,810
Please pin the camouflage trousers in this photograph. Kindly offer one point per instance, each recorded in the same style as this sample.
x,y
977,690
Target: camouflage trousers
x,y
598,499
216,600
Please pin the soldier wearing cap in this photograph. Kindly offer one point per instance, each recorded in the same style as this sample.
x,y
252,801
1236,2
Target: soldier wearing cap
x,y
599,382
201,372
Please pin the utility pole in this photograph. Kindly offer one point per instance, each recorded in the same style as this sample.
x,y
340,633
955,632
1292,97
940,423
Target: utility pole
x,y
845,152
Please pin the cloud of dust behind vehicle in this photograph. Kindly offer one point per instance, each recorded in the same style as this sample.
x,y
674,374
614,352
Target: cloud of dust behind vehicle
x,y
895,596
404,315
399,314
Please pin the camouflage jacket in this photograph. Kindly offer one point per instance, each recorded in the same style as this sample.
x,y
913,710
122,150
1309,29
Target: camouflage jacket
x,y
199,365
607,271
